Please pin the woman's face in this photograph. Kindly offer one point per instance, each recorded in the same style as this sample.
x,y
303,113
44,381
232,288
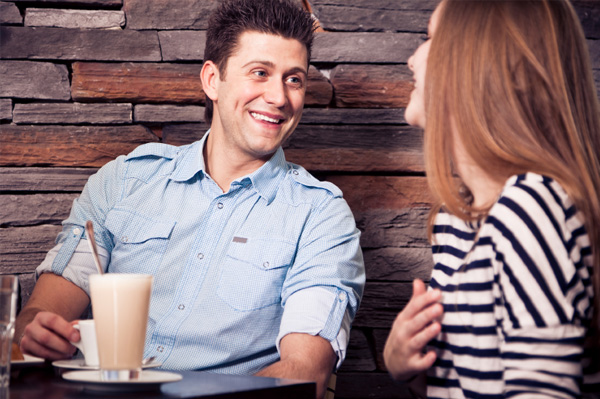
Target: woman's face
x,y
415,111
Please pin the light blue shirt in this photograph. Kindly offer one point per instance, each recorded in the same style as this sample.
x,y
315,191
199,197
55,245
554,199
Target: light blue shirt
x,y
234,272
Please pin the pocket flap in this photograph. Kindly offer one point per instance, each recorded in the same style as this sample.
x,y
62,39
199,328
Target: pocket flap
x,y
264,253
130,227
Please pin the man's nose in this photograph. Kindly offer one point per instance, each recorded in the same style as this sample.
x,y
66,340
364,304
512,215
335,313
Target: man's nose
x,y
275,93
410,62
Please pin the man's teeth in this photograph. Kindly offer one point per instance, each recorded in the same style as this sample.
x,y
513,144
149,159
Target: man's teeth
x,y
264,118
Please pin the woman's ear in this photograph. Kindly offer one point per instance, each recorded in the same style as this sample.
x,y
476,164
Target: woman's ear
x,y
209,75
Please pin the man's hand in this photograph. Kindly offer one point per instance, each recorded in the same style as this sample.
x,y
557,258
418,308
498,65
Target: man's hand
x,y
42,328
413,328
48,336
304,357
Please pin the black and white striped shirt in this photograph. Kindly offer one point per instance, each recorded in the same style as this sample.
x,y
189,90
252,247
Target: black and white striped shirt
x,y
517,296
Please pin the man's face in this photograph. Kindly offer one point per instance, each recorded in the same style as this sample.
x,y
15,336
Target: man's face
x,y
258,103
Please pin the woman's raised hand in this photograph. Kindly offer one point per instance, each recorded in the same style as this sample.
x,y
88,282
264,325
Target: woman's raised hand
x,y
413,328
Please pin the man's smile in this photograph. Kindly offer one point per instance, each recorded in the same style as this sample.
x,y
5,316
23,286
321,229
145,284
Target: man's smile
x,y
263,117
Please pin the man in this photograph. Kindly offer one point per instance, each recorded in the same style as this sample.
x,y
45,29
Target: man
x,y
257,265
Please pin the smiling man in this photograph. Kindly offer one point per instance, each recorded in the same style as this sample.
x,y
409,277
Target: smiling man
x,y
257,265
257,102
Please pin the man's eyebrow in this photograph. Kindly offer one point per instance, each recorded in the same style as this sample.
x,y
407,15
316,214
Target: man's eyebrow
x,y
299,70
265,63
272,65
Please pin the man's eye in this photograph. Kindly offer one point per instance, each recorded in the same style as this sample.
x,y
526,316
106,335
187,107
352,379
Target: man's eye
x,y
295,81
261,74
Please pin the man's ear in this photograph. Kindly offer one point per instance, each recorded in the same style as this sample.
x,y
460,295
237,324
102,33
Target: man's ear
x,y
209,75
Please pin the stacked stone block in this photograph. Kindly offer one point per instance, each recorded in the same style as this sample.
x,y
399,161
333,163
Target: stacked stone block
x,y
83,81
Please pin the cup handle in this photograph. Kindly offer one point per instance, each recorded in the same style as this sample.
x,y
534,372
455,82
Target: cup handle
x,y
78,345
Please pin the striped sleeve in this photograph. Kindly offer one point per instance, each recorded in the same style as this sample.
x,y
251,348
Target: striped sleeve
x,y
544,290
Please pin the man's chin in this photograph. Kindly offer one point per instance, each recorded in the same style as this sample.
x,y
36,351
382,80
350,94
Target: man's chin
x,y
266,146
263,152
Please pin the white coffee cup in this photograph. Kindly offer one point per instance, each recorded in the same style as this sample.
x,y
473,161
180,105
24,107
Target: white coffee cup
x,y
88,344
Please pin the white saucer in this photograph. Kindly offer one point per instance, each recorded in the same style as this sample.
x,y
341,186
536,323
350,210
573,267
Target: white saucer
x,y
79,364
28,361
150,379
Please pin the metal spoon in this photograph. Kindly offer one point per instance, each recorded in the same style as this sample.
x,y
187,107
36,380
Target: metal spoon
x,y
148,360
89,231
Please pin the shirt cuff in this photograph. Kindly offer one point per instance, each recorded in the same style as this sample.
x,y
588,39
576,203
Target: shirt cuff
x,y
318,311
80,266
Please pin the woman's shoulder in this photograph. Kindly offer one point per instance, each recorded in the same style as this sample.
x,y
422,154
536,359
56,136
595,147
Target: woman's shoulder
x,y
534,206
532,194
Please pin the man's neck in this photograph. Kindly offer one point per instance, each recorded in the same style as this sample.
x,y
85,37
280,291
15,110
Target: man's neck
x,y
223,165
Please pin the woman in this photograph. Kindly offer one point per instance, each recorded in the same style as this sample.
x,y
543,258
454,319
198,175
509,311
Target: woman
x,y
505,94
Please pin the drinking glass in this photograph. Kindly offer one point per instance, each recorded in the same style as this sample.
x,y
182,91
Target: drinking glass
x,y
8,310
120,304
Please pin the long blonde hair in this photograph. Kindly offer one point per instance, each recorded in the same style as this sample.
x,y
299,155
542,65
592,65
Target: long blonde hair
x,y
515,80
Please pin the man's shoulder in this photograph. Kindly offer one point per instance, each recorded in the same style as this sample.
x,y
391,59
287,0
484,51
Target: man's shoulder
x,y
154,150
152,160
301,180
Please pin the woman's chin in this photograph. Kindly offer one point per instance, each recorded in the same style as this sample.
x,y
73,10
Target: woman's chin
x,y
414,118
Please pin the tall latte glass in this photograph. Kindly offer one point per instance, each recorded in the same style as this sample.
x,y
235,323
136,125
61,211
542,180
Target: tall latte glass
x,y
120,304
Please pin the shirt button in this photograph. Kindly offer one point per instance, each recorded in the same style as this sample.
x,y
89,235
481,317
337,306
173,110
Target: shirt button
x,y
342,296
76,231
200,256
125,239
266,264
220,205
295,172
160,349
181,306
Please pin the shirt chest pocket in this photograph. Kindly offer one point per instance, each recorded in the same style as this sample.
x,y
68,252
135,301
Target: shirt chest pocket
x,y
140,241
253,273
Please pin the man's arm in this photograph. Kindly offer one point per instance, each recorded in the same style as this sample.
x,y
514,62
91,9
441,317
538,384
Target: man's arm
x,y
304,357
321,292
42,328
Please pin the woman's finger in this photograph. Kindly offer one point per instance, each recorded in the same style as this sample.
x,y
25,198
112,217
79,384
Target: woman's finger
x,y
420,299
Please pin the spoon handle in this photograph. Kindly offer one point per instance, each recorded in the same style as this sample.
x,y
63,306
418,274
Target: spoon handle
x,y
89,230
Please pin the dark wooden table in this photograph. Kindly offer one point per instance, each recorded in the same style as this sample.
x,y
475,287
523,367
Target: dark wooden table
x,y
44,382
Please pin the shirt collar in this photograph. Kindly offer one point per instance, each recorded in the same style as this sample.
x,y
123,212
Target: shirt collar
x,y
191,161
265,179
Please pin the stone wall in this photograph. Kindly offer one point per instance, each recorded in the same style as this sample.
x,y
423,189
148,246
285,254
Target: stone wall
x,y
83,81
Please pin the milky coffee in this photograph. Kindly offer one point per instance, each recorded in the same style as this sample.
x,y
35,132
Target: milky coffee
x,y
120,305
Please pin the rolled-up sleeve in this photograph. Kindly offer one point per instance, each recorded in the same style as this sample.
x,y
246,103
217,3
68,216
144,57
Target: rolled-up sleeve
x,y
70,258
323,289
80,264
318,311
